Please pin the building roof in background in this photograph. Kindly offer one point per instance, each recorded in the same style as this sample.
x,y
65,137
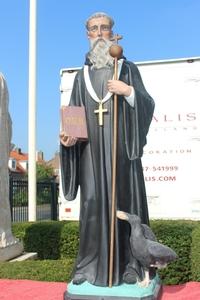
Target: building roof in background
x,y
18,155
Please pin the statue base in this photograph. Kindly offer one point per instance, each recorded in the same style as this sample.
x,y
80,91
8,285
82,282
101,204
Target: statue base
x,y
87,291
11,251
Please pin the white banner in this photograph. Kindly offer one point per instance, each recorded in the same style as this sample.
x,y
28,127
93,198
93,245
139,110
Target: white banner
x,y
171,160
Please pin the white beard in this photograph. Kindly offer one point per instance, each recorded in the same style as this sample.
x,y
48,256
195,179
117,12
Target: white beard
x,y
99,53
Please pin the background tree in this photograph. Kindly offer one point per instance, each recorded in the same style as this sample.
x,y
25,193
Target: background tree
x,y
44,172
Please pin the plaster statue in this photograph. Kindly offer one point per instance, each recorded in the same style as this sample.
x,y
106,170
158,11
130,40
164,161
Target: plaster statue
x,y
10,247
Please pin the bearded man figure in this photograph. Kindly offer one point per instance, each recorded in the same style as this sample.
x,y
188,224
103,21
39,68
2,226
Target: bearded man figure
x,y
89,164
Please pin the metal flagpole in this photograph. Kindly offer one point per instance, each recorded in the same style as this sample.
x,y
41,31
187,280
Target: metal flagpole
x,y
32,113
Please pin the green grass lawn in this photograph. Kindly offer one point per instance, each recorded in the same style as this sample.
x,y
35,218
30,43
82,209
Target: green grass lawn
x,y
42,270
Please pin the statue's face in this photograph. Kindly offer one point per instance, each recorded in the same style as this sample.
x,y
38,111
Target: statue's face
x,y
99,27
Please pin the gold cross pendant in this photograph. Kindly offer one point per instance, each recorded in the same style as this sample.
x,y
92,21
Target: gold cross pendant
x,y
100,111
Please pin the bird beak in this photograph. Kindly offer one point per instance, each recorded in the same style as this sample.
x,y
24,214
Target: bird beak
x,y
122,215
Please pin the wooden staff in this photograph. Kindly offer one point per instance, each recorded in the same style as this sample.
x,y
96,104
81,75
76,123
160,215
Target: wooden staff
x,y
116,52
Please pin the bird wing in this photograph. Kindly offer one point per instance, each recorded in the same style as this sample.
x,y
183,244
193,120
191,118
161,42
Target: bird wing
x,y
161,252
148,233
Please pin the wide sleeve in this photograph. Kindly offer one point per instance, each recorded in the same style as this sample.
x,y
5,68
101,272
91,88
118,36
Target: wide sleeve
x,y
69,156
137,119
69,165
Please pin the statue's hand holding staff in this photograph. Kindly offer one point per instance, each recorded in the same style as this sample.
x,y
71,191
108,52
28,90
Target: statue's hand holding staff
x,y
119,87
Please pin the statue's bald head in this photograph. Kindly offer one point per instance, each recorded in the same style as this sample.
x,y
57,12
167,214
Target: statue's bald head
x,y
100,15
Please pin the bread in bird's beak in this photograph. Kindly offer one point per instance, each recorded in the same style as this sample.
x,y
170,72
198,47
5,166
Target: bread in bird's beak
x,y
121,215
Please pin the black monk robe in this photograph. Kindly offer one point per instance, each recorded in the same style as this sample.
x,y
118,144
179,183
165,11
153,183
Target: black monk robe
x,y
89,165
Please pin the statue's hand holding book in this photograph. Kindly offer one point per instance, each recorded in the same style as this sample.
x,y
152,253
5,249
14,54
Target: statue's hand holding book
x,y
73,125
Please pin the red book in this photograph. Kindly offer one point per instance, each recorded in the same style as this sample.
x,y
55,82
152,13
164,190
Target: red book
x,y
73,121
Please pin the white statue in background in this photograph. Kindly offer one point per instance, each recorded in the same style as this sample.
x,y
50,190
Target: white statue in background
x,y
9,246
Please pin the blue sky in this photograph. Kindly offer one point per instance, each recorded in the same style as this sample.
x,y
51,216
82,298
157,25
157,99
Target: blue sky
x,y
151,29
